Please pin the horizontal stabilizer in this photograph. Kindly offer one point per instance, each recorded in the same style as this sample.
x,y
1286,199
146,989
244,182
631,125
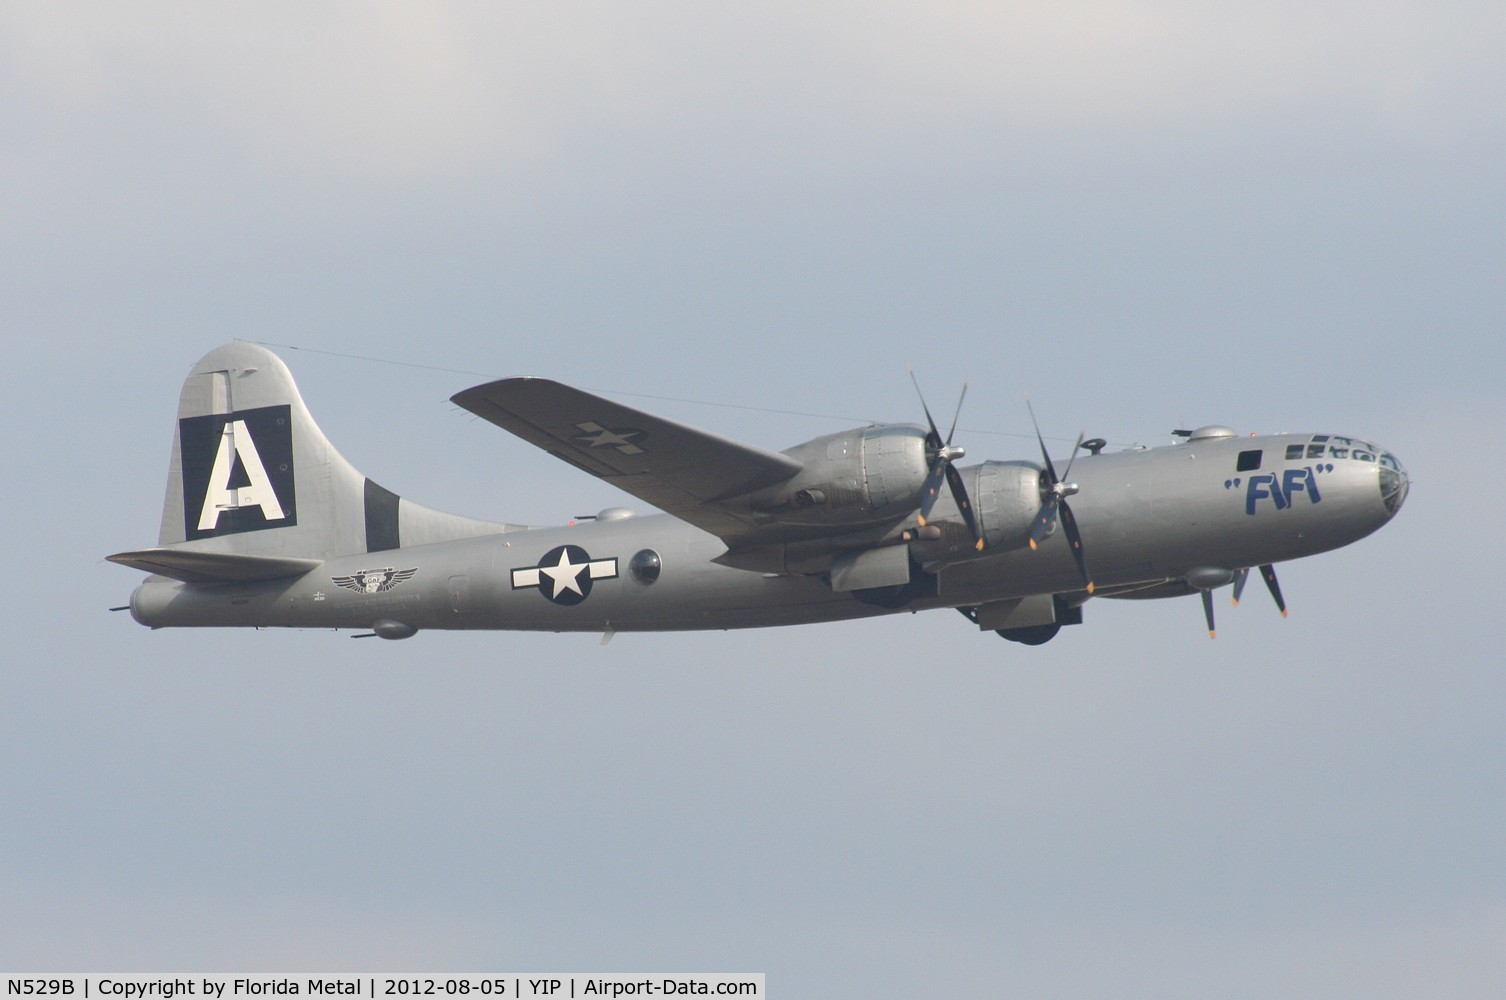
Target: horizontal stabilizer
x,y
195,566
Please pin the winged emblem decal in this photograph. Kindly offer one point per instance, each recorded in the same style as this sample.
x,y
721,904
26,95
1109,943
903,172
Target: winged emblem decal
x,y
374,581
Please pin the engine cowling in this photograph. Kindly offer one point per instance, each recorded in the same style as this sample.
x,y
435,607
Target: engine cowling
x,y
854,477
894,465
1007,498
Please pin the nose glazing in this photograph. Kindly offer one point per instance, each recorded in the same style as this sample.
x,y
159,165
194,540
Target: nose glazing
x,y
1393,483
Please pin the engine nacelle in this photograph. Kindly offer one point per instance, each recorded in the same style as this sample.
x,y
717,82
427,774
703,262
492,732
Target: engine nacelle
x,y
856,476
874,474
894,465
1007,498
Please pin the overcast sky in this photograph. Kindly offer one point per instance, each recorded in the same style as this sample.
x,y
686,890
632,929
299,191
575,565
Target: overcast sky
x,y
1277,216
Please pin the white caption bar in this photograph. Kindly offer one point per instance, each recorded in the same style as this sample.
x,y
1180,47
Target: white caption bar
x,y
388,986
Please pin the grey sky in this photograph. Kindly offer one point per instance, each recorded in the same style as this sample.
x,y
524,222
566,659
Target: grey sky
x,y
1147,215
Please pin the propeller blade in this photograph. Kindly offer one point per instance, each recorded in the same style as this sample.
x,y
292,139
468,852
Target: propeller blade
x,y
933,439
959,494
1074,538
1067,473
1054,504
1045,455
1268,573
1208,612
941,455
956,415
1045,521
931,488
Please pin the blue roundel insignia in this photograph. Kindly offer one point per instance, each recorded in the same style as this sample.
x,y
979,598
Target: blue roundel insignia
x,y
565,574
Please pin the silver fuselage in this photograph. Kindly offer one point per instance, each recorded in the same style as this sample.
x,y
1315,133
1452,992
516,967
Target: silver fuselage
x,y
1148,517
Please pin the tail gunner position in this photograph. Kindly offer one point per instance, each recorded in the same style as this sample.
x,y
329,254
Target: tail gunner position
x,y
265,524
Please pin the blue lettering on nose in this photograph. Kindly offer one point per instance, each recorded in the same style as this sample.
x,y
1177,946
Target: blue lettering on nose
x,y
1262,487
1305,480
1282,492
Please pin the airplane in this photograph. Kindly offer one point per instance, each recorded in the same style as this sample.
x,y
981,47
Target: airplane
x,y
264,524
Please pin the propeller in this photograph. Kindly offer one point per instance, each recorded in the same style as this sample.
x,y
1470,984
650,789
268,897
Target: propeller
x,y
1206,579
1268,574
940,454
1054,505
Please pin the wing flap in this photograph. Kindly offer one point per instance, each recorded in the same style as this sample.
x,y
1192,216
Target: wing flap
x,y
681,470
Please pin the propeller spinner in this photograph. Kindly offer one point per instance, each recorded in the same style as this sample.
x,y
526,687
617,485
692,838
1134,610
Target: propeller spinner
x,y
940,454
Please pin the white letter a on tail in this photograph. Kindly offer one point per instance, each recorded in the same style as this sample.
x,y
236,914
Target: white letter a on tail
x,y
222,496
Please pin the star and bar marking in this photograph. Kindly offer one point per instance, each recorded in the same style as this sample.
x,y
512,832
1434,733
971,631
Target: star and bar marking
x,y
596,436
565,574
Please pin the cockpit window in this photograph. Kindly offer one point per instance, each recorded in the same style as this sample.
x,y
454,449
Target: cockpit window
x,y
1293,451
1249,461
1338,447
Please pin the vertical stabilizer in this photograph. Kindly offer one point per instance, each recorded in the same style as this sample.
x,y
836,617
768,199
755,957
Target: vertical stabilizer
x,y
251,472
253,476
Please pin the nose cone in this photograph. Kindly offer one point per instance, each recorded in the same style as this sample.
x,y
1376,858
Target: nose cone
x,y
1393,483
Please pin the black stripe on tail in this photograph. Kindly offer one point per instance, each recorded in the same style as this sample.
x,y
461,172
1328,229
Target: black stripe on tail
x,y
381,519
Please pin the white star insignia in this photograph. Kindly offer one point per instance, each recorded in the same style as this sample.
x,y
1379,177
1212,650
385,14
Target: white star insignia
x,y
569,576
597,436
565,574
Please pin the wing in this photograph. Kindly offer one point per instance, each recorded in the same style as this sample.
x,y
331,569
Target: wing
x,y
696,476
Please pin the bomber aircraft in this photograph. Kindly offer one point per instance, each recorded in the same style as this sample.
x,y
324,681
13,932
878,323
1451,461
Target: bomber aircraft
x,y
266,525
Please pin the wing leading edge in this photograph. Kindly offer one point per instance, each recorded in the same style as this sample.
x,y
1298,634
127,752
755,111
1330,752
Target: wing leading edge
x,y
698,477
